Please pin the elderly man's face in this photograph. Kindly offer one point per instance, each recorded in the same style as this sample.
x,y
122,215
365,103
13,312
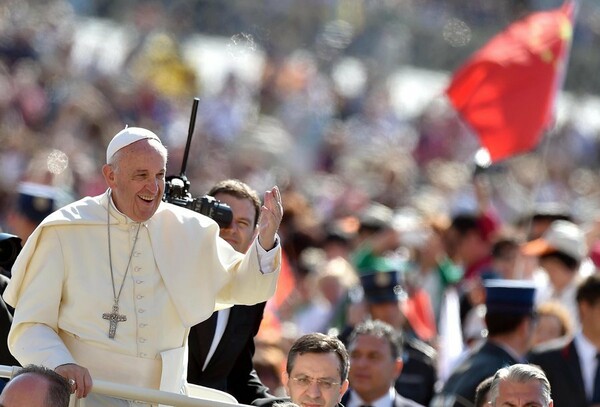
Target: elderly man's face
x,y
315,380
138,179
513,394
25,390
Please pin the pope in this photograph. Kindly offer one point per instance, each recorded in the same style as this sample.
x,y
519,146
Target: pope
x,y
108,286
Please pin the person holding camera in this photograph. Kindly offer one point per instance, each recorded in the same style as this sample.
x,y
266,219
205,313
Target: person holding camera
x,y
109,286
221,348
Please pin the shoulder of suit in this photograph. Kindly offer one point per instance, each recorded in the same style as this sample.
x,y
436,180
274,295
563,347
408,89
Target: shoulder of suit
x,y
255,307
421,347
269,401
405,402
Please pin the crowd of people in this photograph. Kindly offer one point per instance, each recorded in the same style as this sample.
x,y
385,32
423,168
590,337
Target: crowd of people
x,y
385,219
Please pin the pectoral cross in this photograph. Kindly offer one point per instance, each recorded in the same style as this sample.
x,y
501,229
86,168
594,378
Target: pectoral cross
x,y
114,317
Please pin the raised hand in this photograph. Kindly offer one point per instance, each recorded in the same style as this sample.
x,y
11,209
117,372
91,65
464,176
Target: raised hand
x,y
271,214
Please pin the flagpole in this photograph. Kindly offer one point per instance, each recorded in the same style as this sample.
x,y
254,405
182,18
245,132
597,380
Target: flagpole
x,y
520,266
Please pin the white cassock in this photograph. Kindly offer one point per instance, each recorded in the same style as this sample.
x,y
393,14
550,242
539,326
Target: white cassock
x,y
180,272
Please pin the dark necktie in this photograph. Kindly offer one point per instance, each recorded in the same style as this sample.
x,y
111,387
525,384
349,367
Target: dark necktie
x,y
596,396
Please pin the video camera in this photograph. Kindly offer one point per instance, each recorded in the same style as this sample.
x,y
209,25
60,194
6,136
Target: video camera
x,y
177,188
176,192
10,247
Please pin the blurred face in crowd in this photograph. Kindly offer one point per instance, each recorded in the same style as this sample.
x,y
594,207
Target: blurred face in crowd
x,y
315,380
548,327
589,314
242,231
373,368
137,178
506,263
25,390
559,275
514,394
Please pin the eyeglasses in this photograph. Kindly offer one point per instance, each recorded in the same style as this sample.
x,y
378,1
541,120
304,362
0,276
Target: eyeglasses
x,y
305,381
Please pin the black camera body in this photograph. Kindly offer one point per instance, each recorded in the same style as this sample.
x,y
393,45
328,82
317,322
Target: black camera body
x,y
10,247
177,193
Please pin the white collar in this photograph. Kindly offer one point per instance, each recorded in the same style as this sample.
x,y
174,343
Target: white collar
x,y
116,213
586,351
386,400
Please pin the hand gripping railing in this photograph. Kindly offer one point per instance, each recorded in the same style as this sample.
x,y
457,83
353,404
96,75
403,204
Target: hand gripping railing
x,y
152,396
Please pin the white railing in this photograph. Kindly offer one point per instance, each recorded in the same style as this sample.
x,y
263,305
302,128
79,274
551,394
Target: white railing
x,y
209,397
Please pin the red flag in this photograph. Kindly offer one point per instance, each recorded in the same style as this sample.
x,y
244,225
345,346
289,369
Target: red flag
x,y
506,90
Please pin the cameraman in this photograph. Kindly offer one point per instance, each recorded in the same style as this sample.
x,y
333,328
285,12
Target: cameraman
x,y
221,348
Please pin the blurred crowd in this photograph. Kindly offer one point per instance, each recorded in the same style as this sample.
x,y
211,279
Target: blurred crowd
x,y
366,188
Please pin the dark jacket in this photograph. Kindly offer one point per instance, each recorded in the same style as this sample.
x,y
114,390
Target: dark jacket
x,y
6,315
399,401
230,368
269,401
560,361
419,372
483,362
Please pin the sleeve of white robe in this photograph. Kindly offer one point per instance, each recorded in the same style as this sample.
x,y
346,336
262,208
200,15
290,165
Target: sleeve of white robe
x,y
39,343
269,260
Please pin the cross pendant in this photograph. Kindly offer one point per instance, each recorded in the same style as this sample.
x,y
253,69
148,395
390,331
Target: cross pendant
x,y
114,317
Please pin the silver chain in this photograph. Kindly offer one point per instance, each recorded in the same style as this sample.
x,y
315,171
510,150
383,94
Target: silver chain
x,y
112,277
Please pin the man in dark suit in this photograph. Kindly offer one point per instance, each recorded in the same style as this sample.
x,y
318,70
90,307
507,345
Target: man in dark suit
x,y
6,315
316,373
384,294
510,322
571,365
375,362
221,348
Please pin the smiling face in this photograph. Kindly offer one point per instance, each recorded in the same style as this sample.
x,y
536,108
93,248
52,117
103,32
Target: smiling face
x,y
137,178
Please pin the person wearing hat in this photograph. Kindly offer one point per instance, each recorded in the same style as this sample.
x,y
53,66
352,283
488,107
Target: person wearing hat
x,y
572,364
32,204
537,221
385,295
510,322
109,286
560,251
